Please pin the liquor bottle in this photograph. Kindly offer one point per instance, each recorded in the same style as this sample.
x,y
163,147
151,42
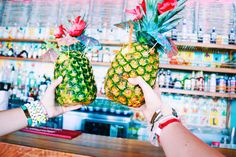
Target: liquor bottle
x,y
174,34
187,83
213,36
177,82
232,85
193,81
221,84
41,87
206,83
200,81
168,79
161,78
232,37
213,83
200,35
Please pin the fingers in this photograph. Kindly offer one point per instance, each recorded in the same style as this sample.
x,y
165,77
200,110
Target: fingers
x,y
55,83
70,108
157,90
139,81
141,108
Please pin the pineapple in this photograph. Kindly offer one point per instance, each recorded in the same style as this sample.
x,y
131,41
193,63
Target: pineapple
x,y
141,58
78,85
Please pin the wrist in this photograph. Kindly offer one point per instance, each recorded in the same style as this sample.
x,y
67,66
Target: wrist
x,y
160,120
35,113
163,111
45,108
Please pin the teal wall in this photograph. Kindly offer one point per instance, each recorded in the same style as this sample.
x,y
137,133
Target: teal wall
x,y
233,114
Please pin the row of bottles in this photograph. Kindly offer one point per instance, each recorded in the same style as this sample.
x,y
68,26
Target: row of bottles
x,y
22,49
26,83
27,32
197,81
44,33
105,55
211,37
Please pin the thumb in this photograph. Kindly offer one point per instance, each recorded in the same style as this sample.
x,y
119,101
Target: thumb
x,y
55,83
70,108
157,90
139,81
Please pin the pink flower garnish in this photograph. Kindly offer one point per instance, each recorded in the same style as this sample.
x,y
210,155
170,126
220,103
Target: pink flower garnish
x,y
136,12
60,32
166,5
143,5
78,26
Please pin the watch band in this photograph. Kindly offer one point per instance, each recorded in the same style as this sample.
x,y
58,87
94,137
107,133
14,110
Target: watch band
x,y
159,121
159,112
26,112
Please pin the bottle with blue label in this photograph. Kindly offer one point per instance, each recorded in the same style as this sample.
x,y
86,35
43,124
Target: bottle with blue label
x,y
161,78
174,34
232,36
200,35
232,85
221,84
168,79
213,36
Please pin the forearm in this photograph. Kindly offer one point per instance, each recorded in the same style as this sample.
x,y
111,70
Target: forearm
x,y
176,140
12,120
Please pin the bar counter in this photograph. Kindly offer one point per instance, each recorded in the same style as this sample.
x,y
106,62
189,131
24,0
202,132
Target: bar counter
x,y
24,144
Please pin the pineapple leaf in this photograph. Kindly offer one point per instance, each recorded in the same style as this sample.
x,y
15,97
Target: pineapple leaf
x,y
172,22
50,45
170,14
160,49
162,17
181,2
169,27
156,17
145,38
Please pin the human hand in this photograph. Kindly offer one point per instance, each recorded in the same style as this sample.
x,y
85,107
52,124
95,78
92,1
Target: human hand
x,y
48,101
152,97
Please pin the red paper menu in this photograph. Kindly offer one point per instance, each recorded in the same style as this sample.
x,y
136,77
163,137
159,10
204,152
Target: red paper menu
x,y
60,133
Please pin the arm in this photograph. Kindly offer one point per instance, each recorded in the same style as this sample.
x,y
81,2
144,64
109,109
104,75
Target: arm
x,y
12,120
15,119
175,139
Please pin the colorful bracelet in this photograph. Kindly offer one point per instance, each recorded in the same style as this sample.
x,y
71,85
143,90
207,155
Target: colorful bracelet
x,y
160,120
29,120
35,113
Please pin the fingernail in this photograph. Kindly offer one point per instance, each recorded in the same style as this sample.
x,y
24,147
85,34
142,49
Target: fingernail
x,y
130,80
60,77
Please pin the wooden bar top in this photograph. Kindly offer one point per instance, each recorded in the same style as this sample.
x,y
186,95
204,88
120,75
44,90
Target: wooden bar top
x,y
83,145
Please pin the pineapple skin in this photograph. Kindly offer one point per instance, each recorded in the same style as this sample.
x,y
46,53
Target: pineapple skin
x,y
78,86
139,60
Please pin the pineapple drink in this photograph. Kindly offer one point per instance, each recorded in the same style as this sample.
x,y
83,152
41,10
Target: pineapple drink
x,y
78,85
152,19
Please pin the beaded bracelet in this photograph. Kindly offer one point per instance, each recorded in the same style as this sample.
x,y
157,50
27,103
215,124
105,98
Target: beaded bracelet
x,y
158,121
35,113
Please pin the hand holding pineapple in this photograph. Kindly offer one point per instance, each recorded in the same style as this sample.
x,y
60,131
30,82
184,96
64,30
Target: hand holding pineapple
x,y
78,86
152,97
153,18
48,101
